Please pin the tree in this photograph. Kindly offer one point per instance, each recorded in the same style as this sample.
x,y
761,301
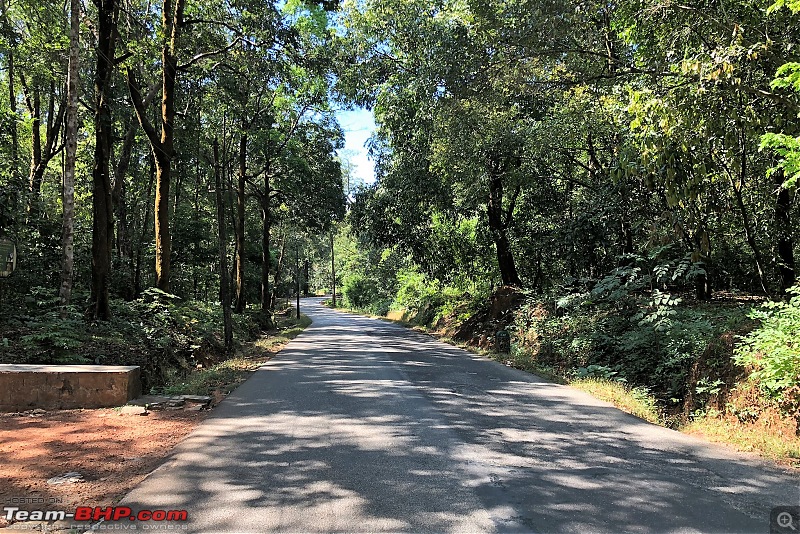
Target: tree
x,y
787,171
102,205
163,144
224,285
71,142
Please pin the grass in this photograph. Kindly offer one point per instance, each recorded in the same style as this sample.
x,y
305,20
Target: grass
x,y
635,401
521,359
224,377
771,436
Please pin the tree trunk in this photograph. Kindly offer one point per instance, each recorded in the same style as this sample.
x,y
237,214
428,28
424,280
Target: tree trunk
x,y
169,62
163,237
102,205
12,91
702,243
498,228
119,195
137,274
224,292
71,141
297,278
750,237
163,146
37,169
12,97
119,188
783,232
278,277
240,218
701,285
266,259
306,275
42,155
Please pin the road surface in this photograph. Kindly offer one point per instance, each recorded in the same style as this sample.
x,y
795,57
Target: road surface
x,y
362,425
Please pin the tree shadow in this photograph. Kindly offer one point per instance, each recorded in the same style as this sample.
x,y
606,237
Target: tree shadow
x,y
360,425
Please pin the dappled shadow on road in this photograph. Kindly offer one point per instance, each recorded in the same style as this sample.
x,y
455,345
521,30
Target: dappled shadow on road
x,y
362,426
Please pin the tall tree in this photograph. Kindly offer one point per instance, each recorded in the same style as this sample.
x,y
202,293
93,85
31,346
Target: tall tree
x,y
224,284
163,144
102,205
71,142
9,37
42,155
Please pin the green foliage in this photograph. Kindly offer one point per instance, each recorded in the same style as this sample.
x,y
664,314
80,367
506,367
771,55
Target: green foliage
x,y
651,342
162,333
226,375
416,291
359,291
793,5
56,339
771,351
597,371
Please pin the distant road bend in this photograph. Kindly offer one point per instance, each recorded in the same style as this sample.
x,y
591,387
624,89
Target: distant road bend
x,y
362,425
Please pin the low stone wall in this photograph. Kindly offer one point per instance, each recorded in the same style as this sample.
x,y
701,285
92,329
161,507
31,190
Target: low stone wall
x,y
52,387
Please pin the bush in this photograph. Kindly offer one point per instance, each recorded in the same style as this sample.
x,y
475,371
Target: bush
x,y
416,291
159,332
654,341
359,291
772,351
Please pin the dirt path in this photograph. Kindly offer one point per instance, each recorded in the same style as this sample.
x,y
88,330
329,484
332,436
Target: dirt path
x,y
113,452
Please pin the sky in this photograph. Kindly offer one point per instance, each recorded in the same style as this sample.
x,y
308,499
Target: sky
x,y
358,126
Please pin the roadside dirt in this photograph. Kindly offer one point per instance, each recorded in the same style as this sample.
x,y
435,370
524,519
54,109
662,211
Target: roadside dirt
x,y
112,451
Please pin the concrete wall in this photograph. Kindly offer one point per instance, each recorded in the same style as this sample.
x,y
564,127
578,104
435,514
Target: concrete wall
x,y
51,387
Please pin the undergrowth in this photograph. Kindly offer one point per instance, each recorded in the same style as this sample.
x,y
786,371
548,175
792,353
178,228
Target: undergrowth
x,y
225,376
771,435
164,335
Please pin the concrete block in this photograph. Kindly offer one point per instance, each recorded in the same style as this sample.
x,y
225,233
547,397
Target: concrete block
x,y
52,387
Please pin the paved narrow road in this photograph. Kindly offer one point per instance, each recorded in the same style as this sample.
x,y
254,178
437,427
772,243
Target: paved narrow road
x,y
362,425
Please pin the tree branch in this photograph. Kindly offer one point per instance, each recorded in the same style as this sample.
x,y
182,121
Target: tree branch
x,y
292,129
204,55
189,22
141,114
123,57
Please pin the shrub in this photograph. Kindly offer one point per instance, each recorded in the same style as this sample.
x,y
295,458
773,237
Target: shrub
x,y
416,291
359,291
653,341
772,351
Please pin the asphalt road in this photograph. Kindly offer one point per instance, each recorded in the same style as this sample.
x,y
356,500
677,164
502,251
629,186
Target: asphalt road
x,y
362,425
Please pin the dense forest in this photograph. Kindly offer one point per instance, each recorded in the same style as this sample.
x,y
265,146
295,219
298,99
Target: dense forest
x,y
159,159
613,183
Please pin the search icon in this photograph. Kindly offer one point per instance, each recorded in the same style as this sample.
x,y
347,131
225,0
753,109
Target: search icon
x,y
785,520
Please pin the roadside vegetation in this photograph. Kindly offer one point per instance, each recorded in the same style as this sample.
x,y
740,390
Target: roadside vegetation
x,y
614,184
223,377
166,169
178,344
717,369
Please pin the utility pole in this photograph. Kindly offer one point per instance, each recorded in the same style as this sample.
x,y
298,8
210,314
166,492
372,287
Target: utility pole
x,y
333,271
297,273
